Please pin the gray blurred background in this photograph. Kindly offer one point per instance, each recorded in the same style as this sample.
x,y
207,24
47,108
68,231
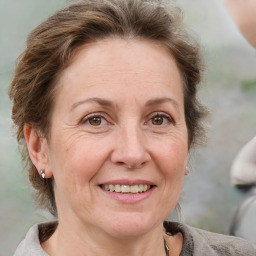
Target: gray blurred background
x,y
208,200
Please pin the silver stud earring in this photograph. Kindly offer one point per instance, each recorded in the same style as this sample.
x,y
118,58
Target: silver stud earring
x,y
187,170
42,174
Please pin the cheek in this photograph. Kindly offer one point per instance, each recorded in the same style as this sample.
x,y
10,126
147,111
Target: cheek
x,y
76,163
172,163
172,156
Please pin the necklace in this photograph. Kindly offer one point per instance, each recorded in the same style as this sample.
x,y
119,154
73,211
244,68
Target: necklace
x,y
166,248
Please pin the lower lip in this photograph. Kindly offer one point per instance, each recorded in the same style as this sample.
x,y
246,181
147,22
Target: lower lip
x,y
129,198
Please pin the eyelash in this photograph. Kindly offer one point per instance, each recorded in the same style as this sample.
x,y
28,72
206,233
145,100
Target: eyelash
x,y
168,118
87,118
100,115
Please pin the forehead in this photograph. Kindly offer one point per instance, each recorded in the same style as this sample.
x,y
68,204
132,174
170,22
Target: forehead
x,y
113,62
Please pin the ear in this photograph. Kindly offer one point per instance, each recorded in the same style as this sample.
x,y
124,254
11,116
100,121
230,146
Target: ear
x,y
38,150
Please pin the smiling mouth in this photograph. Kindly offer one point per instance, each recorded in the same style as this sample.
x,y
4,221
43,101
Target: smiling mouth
x,y
126,189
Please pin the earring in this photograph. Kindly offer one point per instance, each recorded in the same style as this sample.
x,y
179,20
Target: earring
x,y
42,172
187,170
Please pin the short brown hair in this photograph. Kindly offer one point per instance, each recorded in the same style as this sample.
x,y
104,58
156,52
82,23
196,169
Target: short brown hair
x,y
52,44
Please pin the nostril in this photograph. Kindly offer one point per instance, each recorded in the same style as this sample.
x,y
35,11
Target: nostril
x,y
134,166
130,159
120,163
126,165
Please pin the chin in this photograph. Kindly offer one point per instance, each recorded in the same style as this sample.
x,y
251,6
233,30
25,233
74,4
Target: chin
x,y
132,225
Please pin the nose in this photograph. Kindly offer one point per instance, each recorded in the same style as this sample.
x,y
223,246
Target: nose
x,y
130,148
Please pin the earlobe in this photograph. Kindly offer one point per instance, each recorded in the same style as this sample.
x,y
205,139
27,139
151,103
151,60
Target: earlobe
x,y
187,170
38,150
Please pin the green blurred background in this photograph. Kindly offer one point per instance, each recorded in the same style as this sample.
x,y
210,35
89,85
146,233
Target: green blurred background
x,y
208,200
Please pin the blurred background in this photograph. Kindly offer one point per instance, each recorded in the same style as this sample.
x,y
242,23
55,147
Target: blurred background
x,y
208,200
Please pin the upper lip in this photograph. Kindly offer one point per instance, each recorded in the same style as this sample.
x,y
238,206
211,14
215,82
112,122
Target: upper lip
x,y
128,182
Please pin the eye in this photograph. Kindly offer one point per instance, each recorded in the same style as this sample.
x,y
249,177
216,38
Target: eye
x,y
157,120
160,119
94,120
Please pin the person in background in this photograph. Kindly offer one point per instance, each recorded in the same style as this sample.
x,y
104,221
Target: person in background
x,y
243,169
243,12
243,177
105,105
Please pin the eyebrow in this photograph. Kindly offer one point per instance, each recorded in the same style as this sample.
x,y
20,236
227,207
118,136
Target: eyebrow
x,y
159,101
100,101
108,103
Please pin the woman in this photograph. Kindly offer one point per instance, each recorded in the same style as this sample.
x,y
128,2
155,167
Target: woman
x,y
105,98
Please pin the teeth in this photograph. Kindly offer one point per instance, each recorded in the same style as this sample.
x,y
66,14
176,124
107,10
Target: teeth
x,y
125,189
134,189
111,188
117,188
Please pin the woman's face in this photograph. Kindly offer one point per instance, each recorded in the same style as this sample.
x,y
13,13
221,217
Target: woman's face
x,y
118,141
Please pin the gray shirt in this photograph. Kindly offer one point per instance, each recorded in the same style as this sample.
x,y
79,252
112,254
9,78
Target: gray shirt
x,y
196,242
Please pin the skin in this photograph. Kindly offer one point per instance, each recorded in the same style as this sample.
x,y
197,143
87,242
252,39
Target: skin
x,y
243,13
138,84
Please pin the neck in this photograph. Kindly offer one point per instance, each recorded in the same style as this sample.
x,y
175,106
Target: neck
x,y
78,241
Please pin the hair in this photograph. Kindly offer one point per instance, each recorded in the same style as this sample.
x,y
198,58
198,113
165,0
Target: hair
x,y
51,46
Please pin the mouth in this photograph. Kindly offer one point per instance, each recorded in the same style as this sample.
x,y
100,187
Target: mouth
x,y
127,189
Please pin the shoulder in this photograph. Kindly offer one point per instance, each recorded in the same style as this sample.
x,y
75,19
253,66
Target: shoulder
x,y
31,246
199,242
